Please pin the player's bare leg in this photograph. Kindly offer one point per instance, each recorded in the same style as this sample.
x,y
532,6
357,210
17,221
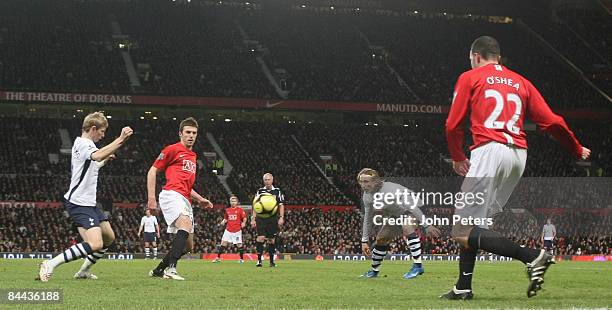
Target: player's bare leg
x,y
183,241
92,242
108,236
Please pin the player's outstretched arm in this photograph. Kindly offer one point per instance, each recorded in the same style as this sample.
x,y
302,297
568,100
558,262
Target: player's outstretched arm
x,y
555,125
108,150
201,201
151,179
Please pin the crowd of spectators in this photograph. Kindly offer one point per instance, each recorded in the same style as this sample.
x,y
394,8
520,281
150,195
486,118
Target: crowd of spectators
x,y
578,39
34,170
590,25
255,148
399,150
306,231
191,50
325,57
59,46
201,49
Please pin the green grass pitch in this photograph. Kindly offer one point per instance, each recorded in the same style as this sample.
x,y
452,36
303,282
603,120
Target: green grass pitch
x,y
310,284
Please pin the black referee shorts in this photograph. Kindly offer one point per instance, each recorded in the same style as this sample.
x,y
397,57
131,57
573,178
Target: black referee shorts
x,y
267,227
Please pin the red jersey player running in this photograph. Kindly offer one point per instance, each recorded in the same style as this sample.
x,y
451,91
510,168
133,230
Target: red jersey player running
x,y
497,100
179,163
235,217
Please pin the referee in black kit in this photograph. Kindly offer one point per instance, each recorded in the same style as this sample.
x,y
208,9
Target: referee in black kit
x,y
267,228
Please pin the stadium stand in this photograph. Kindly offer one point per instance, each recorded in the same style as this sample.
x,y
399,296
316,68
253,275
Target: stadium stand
x,y
201,49
255,148
338,57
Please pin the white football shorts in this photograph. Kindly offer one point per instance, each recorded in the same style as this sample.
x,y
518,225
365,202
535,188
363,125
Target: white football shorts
x,y
233,237
173,205
495,170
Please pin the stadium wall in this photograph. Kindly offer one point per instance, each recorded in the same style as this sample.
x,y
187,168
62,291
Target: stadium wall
x,y
251,103
338,257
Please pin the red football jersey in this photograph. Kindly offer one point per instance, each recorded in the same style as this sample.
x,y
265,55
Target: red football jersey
x,y
498,100
234,217
179,163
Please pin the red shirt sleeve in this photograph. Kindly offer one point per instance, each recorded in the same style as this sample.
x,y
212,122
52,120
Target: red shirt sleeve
x,y
456,115
242,215
539,111
164,158
225,215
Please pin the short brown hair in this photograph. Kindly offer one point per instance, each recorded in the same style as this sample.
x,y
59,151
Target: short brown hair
x,y
487,47
94,119
368,171
190,121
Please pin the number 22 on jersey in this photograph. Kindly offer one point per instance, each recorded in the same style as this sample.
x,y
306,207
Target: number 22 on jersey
x,y
493,121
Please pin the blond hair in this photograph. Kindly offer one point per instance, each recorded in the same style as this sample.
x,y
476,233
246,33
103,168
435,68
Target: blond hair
x,y
190,121
94,119
369,171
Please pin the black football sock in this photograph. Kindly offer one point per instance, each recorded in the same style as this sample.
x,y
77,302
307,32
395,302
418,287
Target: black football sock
x,y
467,259
177,250
414,244
378,254
219,251
494,242
271,252
260,249
241,251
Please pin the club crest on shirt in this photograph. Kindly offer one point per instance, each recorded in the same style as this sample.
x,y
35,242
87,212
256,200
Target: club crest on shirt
x,y
190,166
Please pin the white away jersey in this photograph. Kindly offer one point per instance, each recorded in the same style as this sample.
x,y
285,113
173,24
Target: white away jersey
x,y
149,223
388,210
549,231
84,179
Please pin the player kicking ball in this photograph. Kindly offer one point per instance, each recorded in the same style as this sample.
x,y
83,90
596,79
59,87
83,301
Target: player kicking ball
x,y
80,200
373,186
497,100
236,218
178,161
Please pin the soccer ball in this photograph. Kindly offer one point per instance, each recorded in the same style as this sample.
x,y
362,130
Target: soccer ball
x,y
265,205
